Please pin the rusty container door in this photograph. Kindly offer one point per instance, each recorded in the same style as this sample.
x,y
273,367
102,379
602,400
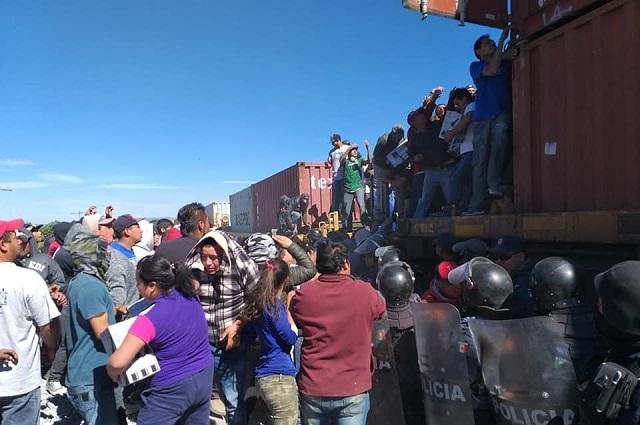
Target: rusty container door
x,y
315,179
492,13
534,17
310,177
575,113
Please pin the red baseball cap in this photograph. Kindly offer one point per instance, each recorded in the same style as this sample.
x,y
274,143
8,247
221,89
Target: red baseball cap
x,y
444,268
11,225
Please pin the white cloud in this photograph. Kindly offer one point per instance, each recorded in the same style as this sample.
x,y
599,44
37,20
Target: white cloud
x,y
236,182
137,186
15,163
25,184
60,178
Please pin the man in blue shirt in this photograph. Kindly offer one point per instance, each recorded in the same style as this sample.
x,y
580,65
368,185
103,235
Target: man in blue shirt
x,y
127,233
492,117
121,275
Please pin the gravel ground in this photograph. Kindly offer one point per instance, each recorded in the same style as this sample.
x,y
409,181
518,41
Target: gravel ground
x,y
56,409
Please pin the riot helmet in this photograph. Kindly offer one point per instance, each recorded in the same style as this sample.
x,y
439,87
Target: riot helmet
x,y
388,254
312,236
553,282
485,284
618,292
395,280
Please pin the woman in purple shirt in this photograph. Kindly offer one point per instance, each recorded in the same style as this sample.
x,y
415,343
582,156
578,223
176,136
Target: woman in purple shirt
x,y
176,329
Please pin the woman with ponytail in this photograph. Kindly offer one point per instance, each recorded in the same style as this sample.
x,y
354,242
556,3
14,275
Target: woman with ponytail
x,y
176,329
267,317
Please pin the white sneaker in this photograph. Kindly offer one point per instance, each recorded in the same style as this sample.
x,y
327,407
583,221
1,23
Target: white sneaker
x,y
55,388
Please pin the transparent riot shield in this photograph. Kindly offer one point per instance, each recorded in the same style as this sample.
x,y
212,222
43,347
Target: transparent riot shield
x,y
385,400
527,370
443,364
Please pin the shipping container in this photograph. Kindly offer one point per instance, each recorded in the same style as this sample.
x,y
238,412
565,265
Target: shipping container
x,y
242,211
575,113
492,13
219,214
303,177
534,17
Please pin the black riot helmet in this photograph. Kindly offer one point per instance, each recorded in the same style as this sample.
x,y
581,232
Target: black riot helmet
x,y
395,280
485,284
618,291
312,236
553,282
388,254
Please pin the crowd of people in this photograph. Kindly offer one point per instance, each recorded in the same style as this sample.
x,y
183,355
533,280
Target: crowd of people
x,y
223,316
454,159
281,327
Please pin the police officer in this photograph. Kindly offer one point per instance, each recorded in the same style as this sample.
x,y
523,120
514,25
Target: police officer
x,y
387,254
395,281
554,286
618,321
510,253
485,288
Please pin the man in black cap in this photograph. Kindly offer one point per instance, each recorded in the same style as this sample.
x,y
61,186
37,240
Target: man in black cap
x,y
510,253
337,170
121,274
443,245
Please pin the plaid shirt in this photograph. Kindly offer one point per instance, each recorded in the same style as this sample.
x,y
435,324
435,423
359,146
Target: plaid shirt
x,y
222,294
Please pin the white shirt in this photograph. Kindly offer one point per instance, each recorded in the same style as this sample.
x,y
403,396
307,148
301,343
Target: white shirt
x,y
25,305
467,144
337,170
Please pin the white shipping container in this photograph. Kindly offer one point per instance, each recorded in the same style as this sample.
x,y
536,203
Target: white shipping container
x,y
242,211
219,214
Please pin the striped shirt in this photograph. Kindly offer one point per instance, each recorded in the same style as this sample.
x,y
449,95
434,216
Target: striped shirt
x,y
223,293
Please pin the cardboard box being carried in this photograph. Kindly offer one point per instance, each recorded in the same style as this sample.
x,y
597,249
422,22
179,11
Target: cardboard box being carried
x,y
144,365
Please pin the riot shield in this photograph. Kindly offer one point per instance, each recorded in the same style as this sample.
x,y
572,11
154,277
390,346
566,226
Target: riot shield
x,y
527,370
385,401
443,364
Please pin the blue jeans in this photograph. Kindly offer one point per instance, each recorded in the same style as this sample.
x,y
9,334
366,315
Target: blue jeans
x,y
434,178
490,143
95,403
23,409
461,178
229,377
335,410
186,402
417,182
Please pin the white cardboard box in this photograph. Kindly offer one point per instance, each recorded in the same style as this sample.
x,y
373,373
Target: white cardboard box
x,y
145,363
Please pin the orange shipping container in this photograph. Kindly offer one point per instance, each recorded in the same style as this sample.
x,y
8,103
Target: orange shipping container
x,y
303,177
533,17
575,114
492,13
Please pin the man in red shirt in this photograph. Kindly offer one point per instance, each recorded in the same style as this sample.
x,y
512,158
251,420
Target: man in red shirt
x,y
335,313
441,290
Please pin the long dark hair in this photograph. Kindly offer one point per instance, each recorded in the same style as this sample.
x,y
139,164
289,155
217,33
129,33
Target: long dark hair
x,y
263,296
166,275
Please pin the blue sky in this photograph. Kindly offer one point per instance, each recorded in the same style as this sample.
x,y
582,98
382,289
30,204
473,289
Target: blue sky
x,y
148,105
